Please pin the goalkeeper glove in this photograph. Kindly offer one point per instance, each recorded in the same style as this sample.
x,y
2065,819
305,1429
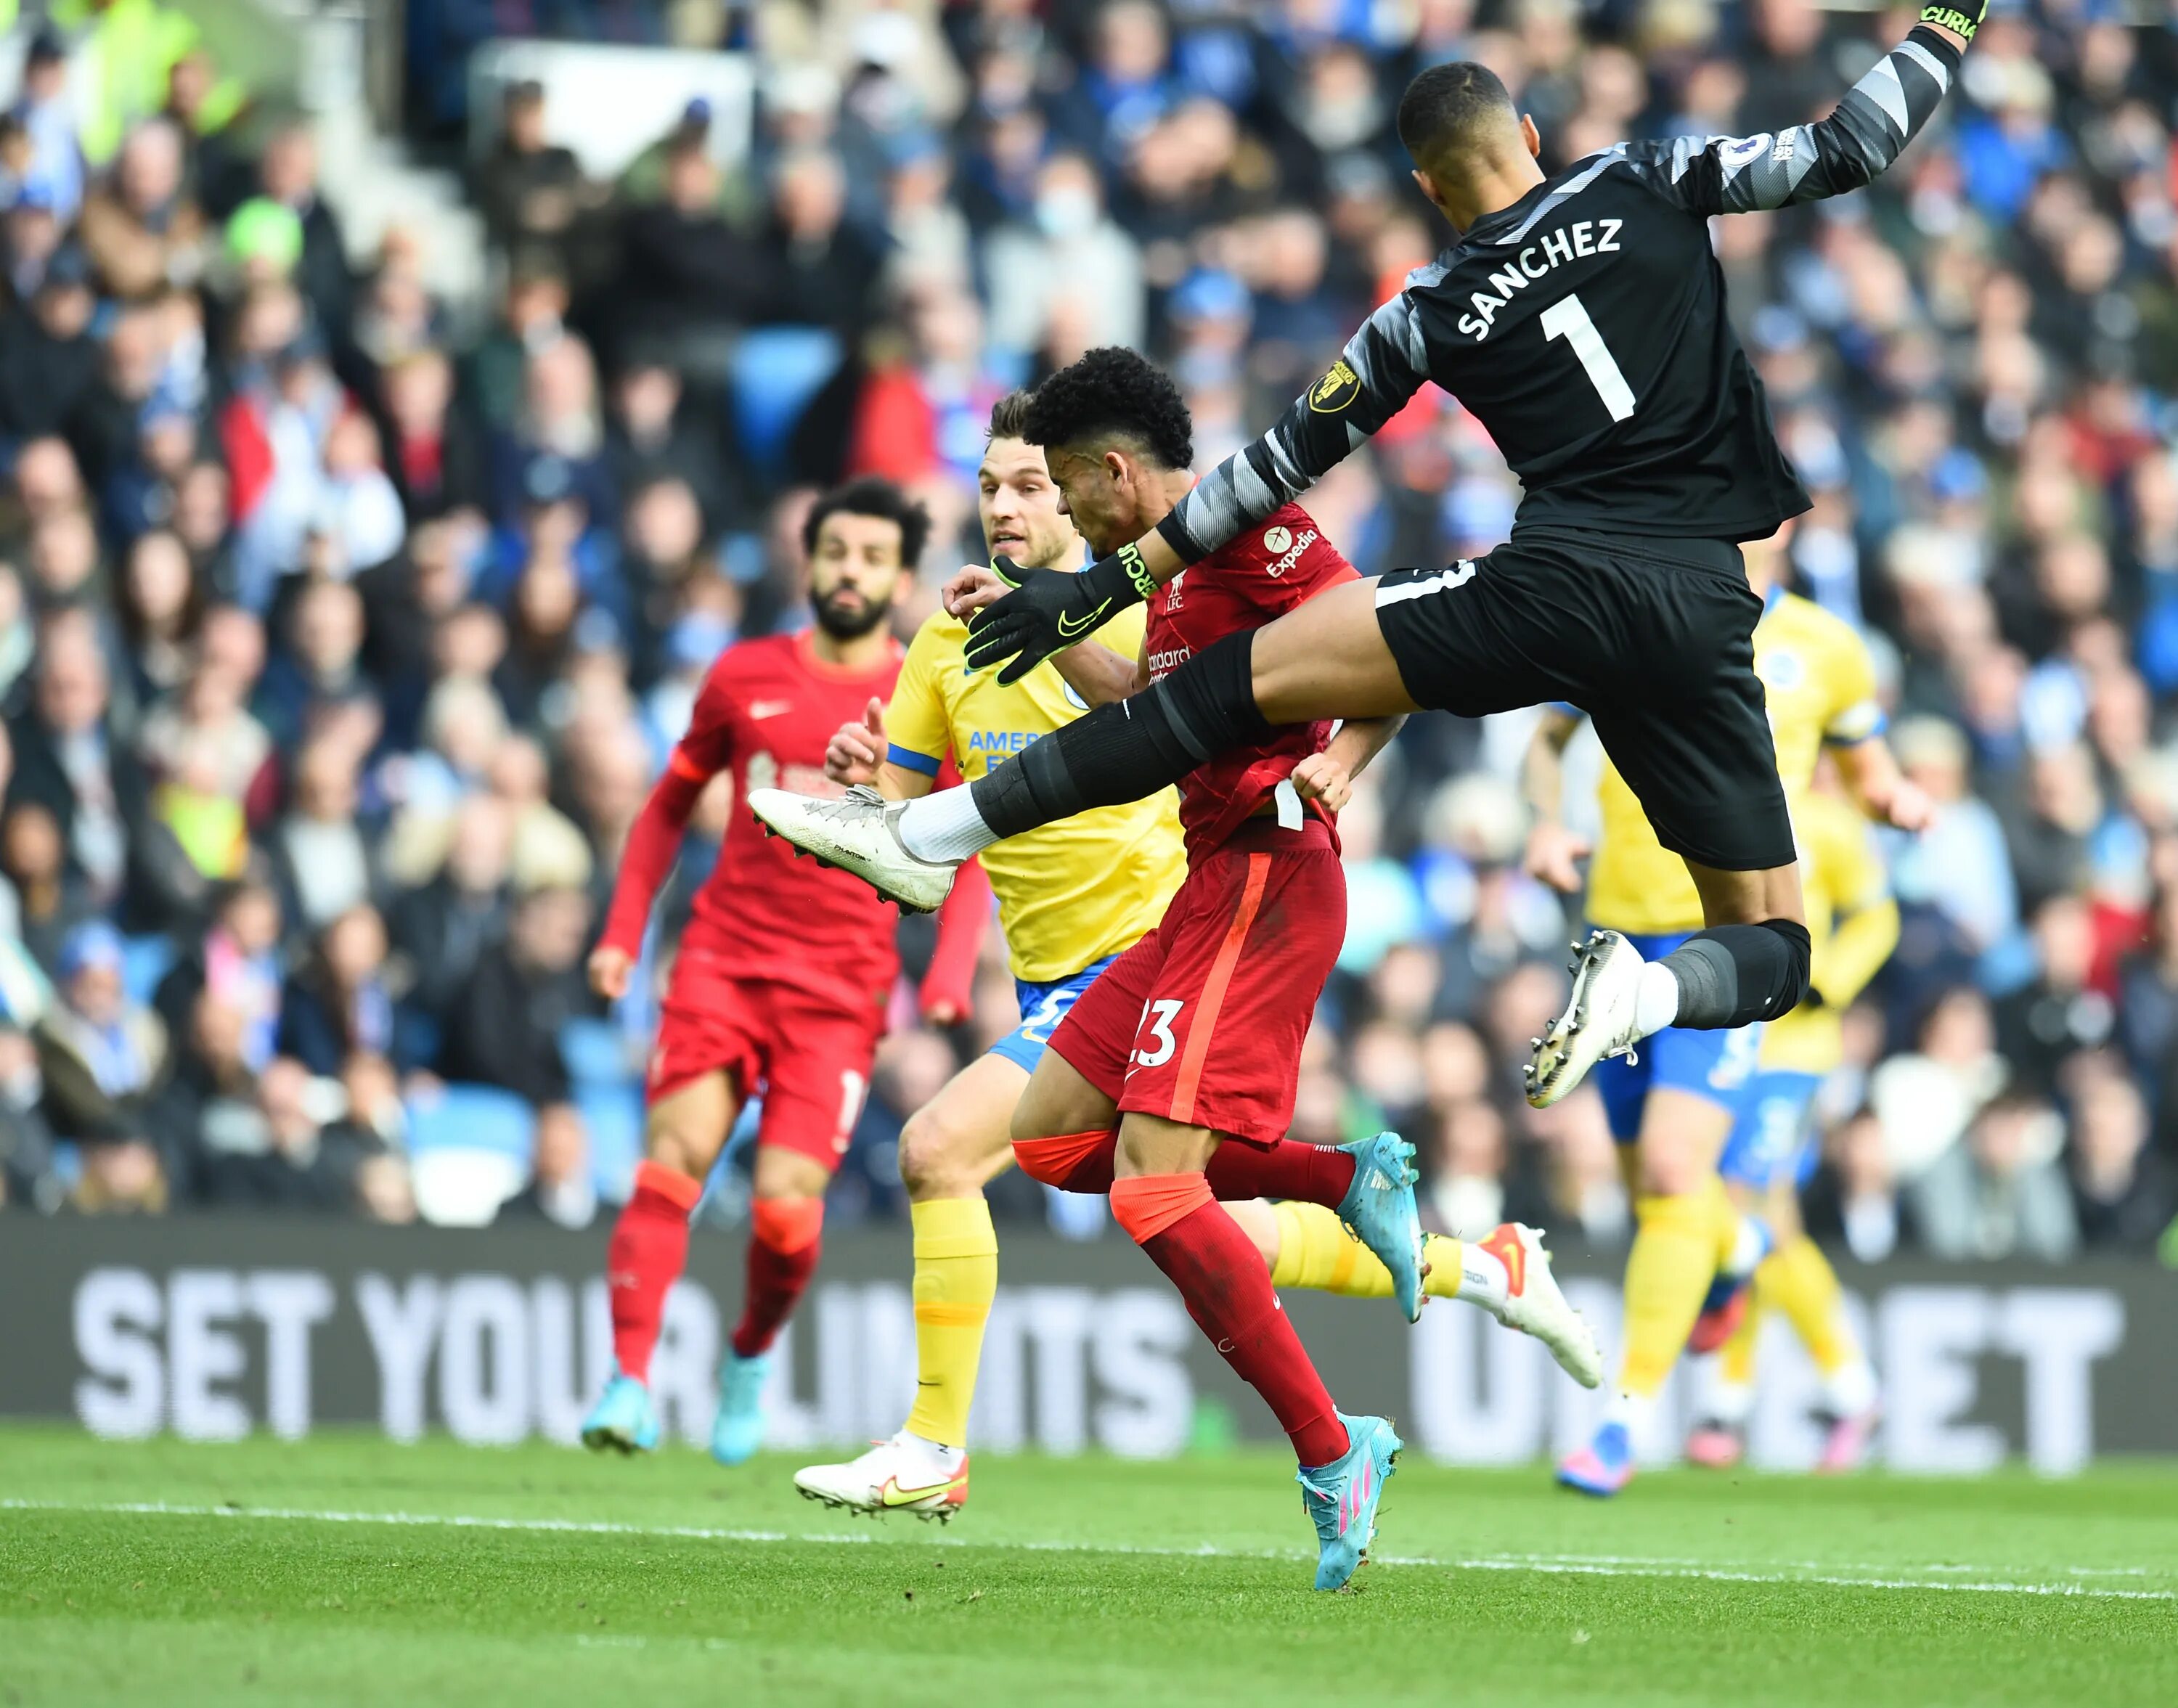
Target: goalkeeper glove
x,y
1049,610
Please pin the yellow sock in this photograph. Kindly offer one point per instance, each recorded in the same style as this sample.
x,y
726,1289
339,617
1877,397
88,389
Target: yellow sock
x,y
1737,1366
956,1277
1668,1272
1806,1289
1727,1218
1317,1254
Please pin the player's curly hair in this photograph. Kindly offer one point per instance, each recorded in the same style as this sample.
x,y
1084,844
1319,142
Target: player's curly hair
x,y
1112,393
872,496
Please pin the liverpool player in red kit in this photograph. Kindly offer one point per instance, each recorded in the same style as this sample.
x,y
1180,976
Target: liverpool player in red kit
x,y
782,975
1191,1041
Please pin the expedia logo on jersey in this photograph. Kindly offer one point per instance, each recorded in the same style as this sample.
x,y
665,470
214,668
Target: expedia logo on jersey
x,y
1339,387
1288,546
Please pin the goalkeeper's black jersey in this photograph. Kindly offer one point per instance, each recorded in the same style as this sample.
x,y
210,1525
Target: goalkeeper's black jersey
x,y
1585,327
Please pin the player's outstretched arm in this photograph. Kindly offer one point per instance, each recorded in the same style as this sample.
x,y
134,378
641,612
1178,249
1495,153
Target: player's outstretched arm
x,y
1869,129
1383,365
654,844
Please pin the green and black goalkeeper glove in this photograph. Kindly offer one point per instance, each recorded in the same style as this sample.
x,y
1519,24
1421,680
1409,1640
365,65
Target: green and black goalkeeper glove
x,y
1048,610
1961,21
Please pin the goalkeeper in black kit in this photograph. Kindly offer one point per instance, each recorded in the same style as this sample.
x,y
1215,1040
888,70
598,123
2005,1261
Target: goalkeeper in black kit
x,y
1581,318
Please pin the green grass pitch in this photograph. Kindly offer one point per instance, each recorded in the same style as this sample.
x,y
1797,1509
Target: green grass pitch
x,y
345,1569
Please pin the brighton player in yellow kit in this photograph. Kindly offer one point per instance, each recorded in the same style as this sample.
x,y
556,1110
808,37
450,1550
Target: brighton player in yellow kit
x,y
1071,897
1854,919
1679,1095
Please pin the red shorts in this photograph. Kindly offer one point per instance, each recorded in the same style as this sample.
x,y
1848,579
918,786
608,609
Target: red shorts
x,y
1202,1021
809,1055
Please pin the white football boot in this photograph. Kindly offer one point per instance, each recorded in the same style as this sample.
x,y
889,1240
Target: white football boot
x,y
1534,1305
905,1474
858,832
1601,1019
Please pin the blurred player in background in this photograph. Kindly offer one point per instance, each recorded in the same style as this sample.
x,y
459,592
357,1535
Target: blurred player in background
x,y
1854,919
781,977
1679,1098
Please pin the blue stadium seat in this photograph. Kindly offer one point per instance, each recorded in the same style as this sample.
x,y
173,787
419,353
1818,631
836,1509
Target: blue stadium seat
x,y
776,372
144,960
612,1116
471,1118
596,1053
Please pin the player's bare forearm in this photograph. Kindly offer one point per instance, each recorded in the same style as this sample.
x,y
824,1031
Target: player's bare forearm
x,y
899,783
1328,776
1359,740
1859,944
1885,793
1542,769
1554,852
1099,675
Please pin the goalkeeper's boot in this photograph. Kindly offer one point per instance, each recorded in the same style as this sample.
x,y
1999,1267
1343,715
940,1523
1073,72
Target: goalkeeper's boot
x,y
1603,1466
623,1418
737,1430
858,832
1534,1305
1601,1019
1379,1210
1342,1499
905,1475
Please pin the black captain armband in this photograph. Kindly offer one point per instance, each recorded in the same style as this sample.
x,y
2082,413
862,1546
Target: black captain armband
x,y
1953,19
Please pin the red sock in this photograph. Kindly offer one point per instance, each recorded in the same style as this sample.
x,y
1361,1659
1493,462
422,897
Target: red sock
x,y
784,1243
1228,1292
1311,1173
643,1259
1314,1173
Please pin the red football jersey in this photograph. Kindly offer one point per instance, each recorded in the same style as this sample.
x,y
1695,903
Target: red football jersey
x,y
766,709
1245,584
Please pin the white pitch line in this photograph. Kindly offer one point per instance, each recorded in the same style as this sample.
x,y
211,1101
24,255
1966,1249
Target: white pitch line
x,y
1571,1565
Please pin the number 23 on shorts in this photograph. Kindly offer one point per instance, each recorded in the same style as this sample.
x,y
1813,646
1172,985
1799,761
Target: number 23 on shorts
x,y
1154,1041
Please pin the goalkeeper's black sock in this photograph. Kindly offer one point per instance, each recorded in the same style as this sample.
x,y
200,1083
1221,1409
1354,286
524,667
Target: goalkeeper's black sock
x,y
1130,749
1734,975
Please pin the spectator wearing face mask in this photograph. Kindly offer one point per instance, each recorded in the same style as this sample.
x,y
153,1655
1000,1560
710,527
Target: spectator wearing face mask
x,y
1069,257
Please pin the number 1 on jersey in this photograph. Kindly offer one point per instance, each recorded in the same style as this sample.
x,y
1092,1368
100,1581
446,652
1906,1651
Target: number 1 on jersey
x,y
1567,319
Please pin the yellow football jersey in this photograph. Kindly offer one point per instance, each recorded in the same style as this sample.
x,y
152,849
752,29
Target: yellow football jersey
x,y
1853,921
1819,682
1072,893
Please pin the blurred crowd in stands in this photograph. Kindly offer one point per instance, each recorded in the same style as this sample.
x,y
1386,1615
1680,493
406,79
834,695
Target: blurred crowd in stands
x,y
343,629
